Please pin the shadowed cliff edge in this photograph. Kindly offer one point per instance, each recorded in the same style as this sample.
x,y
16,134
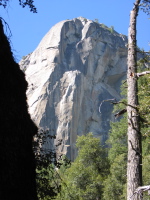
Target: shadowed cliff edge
x,y
17,168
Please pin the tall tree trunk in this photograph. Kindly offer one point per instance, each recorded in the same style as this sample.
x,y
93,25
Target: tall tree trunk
x,y
134,167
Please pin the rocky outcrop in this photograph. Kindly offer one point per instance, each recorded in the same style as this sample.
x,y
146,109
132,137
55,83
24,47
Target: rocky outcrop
x,y
77,65
17,163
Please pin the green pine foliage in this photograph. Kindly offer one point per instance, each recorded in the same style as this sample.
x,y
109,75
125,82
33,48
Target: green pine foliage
x,y
84,179
144,99
117,139
99,172
115,184
47,181
144,109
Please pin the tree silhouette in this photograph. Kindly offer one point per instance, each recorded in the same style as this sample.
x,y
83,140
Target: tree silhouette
x,y
17,168
23,3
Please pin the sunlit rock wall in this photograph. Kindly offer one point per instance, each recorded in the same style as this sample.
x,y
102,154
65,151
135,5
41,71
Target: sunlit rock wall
x,y
78,64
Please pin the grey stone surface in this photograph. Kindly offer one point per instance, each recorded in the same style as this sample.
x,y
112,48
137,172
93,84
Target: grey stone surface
x,y
77,65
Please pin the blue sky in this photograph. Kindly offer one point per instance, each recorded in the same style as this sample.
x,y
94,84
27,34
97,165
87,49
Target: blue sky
x,y
28,28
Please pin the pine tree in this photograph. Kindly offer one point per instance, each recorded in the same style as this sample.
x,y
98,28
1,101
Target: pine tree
x,y
84,179
115,184
134,163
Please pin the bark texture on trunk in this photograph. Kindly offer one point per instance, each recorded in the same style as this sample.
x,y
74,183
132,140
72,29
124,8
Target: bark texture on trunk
x,y
134,167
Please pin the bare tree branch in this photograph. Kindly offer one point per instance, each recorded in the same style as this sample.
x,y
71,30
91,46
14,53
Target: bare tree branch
x,y
120,113
142,73
105,101
135,107
141,189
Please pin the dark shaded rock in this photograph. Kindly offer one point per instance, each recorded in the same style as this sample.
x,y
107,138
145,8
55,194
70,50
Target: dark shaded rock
x,y
17,162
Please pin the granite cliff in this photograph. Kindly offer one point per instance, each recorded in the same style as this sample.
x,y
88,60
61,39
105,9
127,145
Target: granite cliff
x,y
78,64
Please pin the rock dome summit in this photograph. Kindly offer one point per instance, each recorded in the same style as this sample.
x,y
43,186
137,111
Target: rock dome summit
x,y
78,64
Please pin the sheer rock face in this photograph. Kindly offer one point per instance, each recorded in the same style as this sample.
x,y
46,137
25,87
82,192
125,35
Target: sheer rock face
x,y
76,66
